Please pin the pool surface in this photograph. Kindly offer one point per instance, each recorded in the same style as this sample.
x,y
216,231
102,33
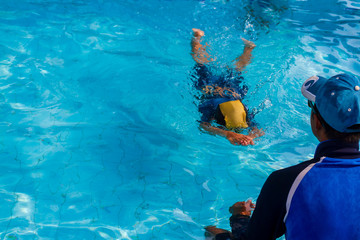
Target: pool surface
x,y
99,133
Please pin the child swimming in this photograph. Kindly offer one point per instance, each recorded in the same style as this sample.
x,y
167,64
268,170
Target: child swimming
x,y
222,95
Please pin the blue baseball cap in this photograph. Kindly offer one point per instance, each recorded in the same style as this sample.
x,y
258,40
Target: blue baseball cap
x,y
337,99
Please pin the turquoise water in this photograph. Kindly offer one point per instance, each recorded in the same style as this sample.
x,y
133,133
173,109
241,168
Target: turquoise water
x,y
99,136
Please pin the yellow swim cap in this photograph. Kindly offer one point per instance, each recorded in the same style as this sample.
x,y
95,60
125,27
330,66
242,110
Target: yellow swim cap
x,y
234,114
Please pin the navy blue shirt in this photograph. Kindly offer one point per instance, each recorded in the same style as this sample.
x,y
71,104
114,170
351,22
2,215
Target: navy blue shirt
x,y
267,220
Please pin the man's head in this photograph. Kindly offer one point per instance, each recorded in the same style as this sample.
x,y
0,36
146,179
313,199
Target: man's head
x,y
336,104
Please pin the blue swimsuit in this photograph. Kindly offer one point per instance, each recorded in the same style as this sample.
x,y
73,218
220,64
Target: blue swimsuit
x,y
209,103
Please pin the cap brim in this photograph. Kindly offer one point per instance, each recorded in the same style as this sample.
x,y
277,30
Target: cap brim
x,y
311,87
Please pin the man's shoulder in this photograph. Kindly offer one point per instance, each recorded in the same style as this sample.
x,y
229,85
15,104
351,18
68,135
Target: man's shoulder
x,y
290,173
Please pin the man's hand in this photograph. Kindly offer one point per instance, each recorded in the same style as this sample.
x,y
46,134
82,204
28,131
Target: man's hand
x,y
239,139
242,208
214,230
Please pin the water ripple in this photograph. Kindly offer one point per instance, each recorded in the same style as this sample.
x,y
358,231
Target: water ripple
x,y
99,133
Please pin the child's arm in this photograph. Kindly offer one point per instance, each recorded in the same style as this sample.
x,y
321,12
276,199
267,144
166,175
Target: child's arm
x,y
234,138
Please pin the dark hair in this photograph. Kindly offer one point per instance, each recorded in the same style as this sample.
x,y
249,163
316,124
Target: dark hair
x,y
331,133
219,117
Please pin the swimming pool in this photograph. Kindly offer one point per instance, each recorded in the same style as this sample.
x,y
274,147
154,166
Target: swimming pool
x,y
99,134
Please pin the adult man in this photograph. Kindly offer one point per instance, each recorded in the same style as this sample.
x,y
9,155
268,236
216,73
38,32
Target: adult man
x,y
317,199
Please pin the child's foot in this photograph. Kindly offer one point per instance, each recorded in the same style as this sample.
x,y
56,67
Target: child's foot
x,y
198,33
248,44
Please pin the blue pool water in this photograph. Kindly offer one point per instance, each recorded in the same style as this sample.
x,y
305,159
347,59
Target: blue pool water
x,y
99,136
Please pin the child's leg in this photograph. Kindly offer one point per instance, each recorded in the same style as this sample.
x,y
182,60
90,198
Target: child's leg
x,y
198,51
244,59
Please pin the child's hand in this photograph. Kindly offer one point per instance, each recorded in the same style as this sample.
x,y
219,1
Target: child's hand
x,y
242,208
239,139
255,132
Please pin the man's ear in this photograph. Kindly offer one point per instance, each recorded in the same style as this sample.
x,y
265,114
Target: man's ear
x,y
317,122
